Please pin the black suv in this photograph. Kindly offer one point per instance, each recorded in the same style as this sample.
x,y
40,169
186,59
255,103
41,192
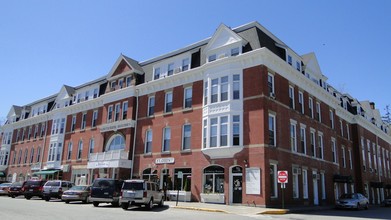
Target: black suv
x,y
33,188
106,190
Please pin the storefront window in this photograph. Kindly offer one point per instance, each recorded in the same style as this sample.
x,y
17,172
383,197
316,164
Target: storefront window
x,y
149,175
214,179
183,183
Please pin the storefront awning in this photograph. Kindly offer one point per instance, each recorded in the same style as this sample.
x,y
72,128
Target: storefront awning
x,y
2,174
342,179
45,172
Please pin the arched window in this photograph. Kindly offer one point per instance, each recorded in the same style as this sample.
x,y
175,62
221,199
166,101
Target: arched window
x,y
214,179
116,142
149,175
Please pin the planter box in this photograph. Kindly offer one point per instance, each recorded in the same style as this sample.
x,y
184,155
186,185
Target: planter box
x,y
184,196
212,198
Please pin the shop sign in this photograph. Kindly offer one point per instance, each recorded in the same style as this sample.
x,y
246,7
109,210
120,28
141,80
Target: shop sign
x,y
165,160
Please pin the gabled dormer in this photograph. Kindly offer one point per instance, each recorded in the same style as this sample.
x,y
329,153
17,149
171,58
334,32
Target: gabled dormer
x,y
312,70
224,43
65,96
125,72
14,114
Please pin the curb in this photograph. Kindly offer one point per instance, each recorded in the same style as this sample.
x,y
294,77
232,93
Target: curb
x,y
199,209
275,212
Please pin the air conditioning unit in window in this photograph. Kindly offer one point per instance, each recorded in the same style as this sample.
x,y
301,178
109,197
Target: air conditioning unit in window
x,y
314,176
272,95
370,170
364,167
221,56
177,70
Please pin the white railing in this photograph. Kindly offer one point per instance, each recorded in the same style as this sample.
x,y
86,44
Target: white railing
x,y
109,155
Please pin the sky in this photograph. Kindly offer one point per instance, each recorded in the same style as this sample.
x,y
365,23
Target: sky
x,y
46,44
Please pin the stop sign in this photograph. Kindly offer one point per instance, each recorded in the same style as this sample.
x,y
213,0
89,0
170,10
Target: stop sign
x,y
282,176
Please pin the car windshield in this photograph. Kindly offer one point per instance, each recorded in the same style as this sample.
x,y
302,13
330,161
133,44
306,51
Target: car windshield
x,y
5,184
79,188
103,183
133,186
17,184
52,183
348,196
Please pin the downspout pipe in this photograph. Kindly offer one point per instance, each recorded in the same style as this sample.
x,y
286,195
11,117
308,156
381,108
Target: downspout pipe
x,y
134,134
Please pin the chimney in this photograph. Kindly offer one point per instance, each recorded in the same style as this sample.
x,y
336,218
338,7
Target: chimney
x,y
372,104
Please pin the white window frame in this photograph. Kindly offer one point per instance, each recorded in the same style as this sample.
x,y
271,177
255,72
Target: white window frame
x,y
83,121
272,117
156,73
166,146
270,83
117,111
332,119
151,100
350,159
274,193
148,140
334,150
187,96
291,97
94,118
301,102
305,183
318,111
321,145
125,109
295,184
185,64
69,152
311,107
109,113
341,127
313,142
343,157
168,100
79,150
303,139
185,135
293,135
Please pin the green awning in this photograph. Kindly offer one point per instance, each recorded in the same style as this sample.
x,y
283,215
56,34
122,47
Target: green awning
x,y
2,174
45,172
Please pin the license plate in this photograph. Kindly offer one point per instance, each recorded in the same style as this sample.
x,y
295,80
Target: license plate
x,y
106,193
31,190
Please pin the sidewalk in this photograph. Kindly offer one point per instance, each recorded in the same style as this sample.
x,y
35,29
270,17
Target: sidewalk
x,y
240,209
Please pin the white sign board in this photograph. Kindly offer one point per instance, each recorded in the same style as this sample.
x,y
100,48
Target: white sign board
x,y
165,160
253,181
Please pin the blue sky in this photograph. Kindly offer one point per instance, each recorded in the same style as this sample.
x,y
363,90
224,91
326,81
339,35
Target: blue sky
x,y
45,44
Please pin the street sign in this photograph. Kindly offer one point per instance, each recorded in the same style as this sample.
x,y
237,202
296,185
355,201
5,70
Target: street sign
x,y
282,176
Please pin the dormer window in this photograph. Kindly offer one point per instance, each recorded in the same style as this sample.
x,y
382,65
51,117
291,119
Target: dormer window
x,y
95,93
121,83
235,51
298,67
170,69
290,60
212,58
87,94
128,81
185,64
156,74
113,85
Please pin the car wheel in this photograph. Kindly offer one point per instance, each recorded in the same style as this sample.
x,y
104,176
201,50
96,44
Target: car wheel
x,y
161,203
13,196
115,204
125,205
47,199
85,200
95,204
28,197
367,206
67,201
150,204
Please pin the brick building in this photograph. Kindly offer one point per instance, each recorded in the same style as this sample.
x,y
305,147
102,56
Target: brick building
x,y
215,120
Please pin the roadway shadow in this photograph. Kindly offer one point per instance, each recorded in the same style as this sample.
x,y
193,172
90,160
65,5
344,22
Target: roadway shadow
x,y
145,209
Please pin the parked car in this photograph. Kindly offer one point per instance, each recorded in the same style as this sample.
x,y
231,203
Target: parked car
x,y
55,188
4,187
352,201
387,201
15,189
33,188
77,193
105,190
141,192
